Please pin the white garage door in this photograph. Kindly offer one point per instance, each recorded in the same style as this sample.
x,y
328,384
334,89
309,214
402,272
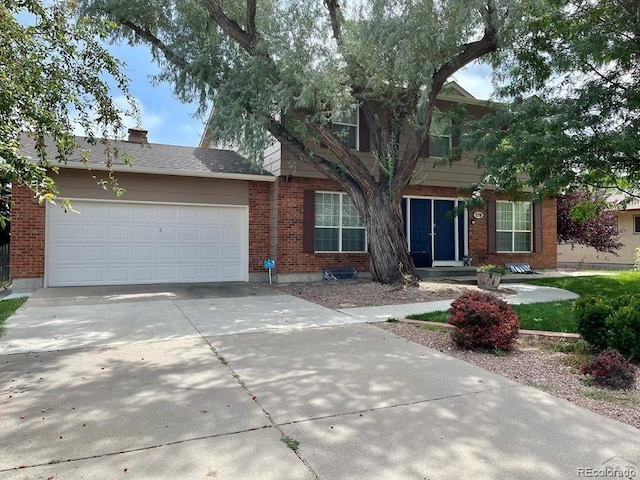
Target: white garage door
x,y
115,243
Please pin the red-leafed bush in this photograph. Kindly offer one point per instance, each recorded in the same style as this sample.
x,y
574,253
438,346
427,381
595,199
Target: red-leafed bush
x,y
610,369
482,320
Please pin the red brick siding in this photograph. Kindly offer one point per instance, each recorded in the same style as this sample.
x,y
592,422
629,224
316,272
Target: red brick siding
x,y
259,212
27,235
547,258
291,259
289,256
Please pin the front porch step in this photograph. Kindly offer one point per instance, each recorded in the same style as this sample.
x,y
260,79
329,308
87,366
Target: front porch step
x,y
446,272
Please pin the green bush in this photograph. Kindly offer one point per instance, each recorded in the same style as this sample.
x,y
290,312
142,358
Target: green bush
x,y
591,313
624,329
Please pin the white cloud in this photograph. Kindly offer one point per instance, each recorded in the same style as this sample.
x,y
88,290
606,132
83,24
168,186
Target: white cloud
x,y
476,79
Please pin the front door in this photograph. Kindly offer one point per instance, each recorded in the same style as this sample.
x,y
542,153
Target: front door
x,y
433,229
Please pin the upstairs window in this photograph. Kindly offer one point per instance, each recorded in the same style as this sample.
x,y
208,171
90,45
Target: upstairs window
x,y
439,136
345,126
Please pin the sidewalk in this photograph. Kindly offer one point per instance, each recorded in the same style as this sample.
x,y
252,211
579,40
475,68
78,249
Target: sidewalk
x,y
525,293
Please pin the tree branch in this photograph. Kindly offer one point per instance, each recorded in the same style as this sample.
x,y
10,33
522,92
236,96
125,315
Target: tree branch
x,y
335,15
471,51
230,26
251,20
145,34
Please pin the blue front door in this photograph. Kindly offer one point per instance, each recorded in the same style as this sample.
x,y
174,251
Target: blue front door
x,y
433,228
445,230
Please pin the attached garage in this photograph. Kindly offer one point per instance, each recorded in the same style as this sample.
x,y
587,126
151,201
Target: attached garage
x,y
181,215
118,243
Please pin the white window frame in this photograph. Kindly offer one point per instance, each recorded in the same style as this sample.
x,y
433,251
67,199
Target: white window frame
x,y
513,231
446,125
340,227
336,122
635,230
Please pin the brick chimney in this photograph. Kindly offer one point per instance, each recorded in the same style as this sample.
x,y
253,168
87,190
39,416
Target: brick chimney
x,y
137,135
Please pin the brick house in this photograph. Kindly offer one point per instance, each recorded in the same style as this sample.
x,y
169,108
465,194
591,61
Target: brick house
x,y
206,215
314,225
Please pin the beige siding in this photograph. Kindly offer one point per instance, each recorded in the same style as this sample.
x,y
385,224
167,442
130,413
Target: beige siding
x,y
587,256
273,159
458,174
154,188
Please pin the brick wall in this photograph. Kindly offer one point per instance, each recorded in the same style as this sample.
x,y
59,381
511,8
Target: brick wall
x,y
259,225
547,258
290,257
27,235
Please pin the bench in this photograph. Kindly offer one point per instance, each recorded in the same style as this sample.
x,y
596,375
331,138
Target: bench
x,y
518,268
339,273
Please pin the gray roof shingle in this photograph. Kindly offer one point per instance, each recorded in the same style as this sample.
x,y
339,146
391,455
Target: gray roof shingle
x,y
158,157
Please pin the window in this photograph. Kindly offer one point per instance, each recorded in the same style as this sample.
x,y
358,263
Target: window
x,y
338,227
513,226
439,137
636,224
345,125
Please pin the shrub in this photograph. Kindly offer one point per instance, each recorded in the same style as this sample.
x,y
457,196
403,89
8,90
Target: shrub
x,y
482,320
591,313
624,329
610,369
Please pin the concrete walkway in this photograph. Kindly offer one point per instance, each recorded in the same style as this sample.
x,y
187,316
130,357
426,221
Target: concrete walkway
x,y
160,383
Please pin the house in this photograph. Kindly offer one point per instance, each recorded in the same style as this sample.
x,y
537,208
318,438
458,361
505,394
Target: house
x,y
628,218
314,224
205,215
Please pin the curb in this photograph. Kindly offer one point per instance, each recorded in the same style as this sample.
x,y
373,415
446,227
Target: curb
x,y
540,333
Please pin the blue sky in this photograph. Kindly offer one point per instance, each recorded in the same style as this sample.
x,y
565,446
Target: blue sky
x,y
171,122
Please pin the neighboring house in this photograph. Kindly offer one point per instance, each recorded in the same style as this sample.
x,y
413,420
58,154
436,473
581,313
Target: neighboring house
x,y
205,215
628,218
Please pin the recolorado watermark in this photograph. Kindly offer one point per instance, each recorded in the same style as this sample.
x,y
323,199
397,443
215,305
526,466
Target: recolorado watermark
x,y
615,467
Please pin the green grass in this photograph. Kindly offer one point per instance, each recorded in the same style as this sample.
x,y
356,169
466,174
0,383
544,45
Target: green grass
x,y
551,317
558,316
614,285
7,307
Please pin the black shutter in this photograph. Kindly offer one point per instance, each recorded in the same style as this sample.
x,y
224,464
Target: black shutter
x,y
424,152
309,221
364,141
537,227
491,226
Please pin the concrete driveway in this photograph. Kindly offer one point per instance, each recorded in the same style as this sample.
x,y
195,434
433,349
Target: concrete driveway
x,y
65,318
202,382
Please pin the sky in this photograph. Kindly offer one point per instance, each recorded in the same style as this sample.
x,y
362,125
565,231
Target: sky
x,y
173,123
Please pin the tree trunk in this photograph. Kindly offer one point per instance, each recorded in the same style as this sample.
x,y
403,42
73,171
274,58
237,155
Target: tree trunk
x,y
390,262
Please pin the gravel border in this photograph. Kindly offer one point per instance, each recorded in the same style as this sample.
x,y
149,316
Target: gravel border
x,y
533,363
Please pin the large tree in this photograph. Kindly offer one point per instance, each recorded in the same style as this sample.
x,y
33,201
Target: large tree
x,y
279,70
55,76
571,91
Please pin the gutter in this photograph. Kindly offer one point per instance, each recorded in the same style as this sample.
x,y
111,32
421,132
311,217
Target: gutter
x,y
177,173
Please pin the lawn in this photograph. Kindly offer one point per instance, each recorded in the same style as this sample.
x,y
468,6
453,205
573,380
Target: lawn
x,y
7,307
558,316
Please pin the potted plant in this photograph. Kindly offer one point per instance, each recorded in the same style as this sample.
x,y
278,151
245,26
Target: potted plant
x,y
490,275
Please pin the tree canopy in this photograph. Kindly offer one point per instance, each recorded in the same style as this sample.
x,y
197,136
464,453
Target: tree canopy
x,y
571,93
55,75
281,70
585,218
